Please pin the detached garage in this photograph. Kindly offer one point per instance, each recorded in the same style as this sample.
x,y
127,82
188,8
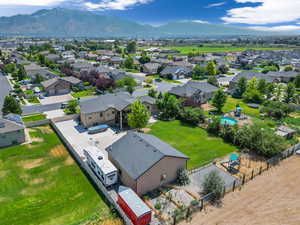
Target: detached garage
x,y
60,85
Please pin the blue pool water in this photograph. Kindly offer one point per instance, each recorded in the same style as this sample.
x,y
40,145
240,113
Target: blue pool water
x,y
228,121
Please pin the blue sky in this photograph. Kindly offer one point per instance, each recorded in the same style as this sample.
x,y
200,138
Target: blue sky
x,y
274,15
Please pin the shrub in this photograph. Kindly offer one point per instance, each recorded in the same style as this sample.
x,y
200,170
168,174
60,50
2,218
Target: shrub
x,y
183,177
214,126
192,115
213,184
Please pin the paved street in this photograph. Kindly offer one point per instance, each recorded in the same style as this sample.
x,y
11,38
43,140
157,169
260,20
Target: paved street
x,y
4,88
27,110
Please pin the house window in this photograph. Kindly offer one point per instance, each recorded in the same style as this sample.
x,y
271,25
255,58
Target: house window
x,y
101,114
113,112
90,117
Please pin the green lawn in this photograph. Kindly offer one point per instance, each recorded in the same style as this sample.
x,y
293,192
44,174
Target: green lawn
x,y
34,117
231,105
34,100
83,94
184,50
192,141
41,184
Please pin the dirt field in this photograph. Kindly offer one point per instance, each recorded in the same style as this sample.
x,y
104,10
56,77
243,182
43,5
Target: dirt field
x,y
270,199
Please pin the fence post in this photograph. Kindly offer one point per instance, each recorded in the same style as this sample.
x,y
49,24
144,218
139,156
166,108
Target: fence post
x,y
233,186
224,191
243,181
260,170
188,213
201,204
174,220
252,175
268,165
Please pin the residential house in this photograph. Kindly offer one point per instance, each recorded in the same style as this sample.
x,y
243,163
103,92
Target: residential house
x,y
116,61
150,68
282,76
154,164
109,109
33,69
198,92
60,85
12,132
176,72
248,75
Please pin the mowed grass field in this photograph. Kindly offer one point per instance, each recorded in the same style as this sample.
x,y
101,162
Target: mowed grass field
x,y
41,184
192,141
185,50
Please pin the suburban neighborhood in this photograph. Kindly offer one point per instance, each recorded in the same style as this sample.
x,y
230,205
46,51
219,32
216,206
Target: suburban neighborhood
x,y
149,131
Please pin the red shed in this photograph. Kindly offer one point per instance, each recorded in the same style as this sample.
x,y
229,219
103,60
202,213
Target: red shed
x,y
137,211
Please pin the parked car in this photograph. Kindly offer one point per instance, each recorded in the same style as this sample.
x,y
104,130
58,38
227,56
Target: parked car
x,y
41,97
63,105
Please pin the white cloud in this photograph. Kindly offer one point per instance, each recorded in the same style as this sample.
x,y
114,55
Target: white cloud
x,y
217,4
200,21
268,12
30,2
114,4
276,28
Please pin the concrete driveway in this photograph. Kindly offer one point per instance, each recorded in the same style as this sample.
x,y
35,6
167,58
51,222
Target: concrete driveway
x,y
56,99
79,138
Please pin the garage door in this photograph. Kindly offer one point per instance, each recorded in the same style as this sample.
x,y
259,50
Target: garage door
x,y
62,91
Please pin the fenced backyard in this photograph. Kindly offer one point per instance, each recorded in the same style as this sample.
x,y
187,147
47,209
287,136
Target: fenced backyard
x,y
173,209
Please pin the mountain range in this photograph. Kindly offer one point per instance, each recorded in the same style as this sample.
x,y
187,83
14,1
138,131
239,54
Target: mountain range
x,y
61,22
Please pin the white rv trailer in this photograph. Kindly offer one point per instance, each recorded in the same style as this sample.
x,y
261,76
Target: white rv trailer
x,y
103,168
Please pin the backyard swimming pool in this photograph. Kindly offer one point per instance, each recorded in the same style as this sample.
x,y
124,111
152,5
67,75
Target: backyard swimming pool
x,y
228,121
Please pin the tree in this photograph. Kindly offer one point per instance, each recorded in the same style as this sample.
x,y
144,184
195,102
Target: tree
x,y
152,93
72,106
168,107
38,78
139,116
262,86
223,69
213,81
290,93
128,63
211,68
276,110
11,106
214,126
198,72
213,184
130,90
261,140
270,90
192,115
183,177
131,47
252,94
240,87
288,68
219,99
297,81
144,58
21,73
104,83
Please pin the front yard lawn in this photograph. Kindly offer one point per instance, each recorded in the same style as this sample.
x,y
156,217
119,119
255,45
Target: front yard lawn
x,y
83,94
34,117
192,141
41,184
34,100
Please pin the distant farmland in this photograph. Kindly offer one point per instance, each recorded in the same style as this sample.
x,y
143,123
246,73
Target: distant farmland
x,y
184,50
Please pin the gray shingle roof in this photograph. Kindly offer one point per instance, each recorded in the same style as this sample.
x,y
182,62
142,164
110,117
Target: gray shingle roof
x,y
147,99
9,126
117,101
250,74
72,80
191,87
136,152
175,70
